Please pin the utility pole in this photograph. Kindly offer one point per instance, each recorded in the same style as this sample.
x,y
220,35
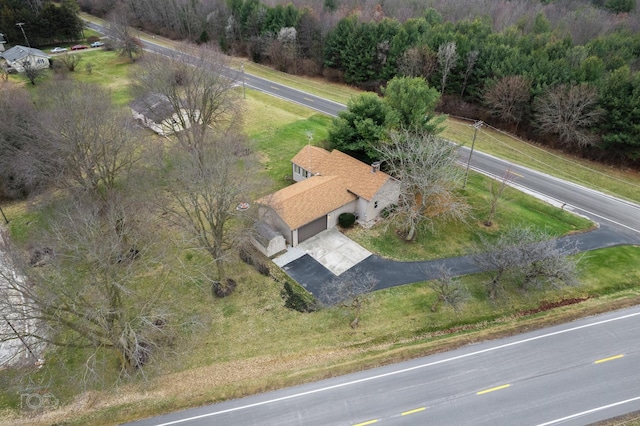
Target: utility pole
x,y
476,126
21,24
5,217
244,91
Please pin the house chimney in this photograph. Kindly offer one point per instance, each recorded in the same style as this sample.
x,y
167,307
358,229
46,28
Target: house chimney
x,y
375,166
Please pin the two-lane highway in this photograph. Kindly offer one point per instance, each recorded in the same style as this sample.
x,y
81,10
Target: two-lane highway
x,y
572,374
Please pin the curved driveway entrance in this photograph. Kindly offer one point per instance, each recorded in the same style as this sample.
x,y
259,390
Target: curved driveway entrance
x,y
308,264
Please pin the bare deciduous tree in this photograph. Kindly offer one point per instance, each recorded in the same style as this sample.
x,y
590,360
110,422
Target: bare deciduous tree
x,y
33,71
198,88
508,98
448,289
122,35
22,149
351,290
90,292
569,112
70,60
93,143
472,58
447,57
205,190
527,258
426,169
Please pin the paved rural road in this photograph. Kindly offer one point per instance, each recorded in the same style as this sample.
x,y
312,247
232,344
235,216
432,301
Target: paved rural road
x,y
572,374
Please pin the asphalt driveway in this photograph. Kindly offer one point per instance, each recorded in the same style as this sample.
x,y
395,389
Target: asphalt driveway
x,y
312,274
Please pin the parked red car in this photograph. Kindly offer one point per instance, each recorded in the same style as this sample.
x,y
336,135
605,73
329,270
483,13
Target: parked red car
x,y
79,47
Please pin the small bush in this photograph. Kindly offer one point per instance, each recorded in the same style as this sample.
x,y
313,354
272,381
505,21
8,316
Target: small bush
x,y
245,255
249,255
297,298
346,220
220,290
262,269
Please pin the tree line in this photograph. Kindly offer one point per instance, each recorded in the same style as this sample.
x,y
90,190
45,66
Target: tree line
x,y
44,22
565,73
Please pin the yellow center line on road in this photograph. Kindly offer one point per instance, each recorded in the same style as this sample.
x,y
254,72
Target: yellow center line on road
x,y
517,174
417,410
369,422
611,358
274,88
307,99
492,389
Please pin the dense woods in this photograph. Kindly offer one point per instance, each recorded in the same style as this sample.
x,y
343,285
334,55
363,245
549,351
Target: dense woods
x,y
44,22
564,73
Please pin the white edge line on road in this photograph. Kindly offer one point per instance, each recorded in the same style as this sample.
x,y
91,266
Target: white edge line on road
x,y
405,370
593,410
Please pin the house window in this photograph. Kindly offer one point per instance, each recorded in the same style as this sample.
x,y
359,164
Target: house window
x,y
375,204
296,168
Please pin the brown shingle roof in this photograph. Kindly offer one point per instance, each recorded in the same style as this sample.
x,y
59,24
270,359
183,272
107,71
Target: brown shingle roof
x,y
310,158
308,200
358,175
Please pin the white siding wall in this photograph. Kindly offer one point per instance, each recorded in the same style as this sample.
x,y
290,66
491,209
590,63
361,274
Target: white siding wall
x,y
37,62
332,218
299,173
388,194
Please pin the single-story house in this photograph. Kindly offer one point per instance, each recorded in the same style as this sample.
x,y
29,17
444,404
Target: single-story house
x,y
327,185
19,56
156,112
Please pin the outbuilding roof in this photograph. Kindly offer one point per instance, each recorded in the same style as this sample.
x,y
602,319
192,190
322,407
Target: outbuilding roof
x,y
154,106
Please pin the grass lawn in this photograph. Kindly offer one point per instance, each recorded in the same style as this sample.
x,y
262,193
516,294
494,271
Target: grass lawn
x,y
107,69
446,239
250,343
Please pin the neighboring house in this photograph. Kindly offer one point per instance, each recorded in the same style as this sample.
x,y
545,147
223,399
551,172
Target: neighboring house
x,y
328,184
156,112
19,56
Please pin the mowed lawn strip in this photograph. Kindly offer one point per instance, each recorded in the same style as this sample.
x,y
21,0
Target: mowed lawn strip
x,y
448,239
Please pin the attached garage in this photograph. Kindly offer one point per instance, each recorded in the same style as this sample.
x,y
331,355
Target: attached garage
x,y
309,230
